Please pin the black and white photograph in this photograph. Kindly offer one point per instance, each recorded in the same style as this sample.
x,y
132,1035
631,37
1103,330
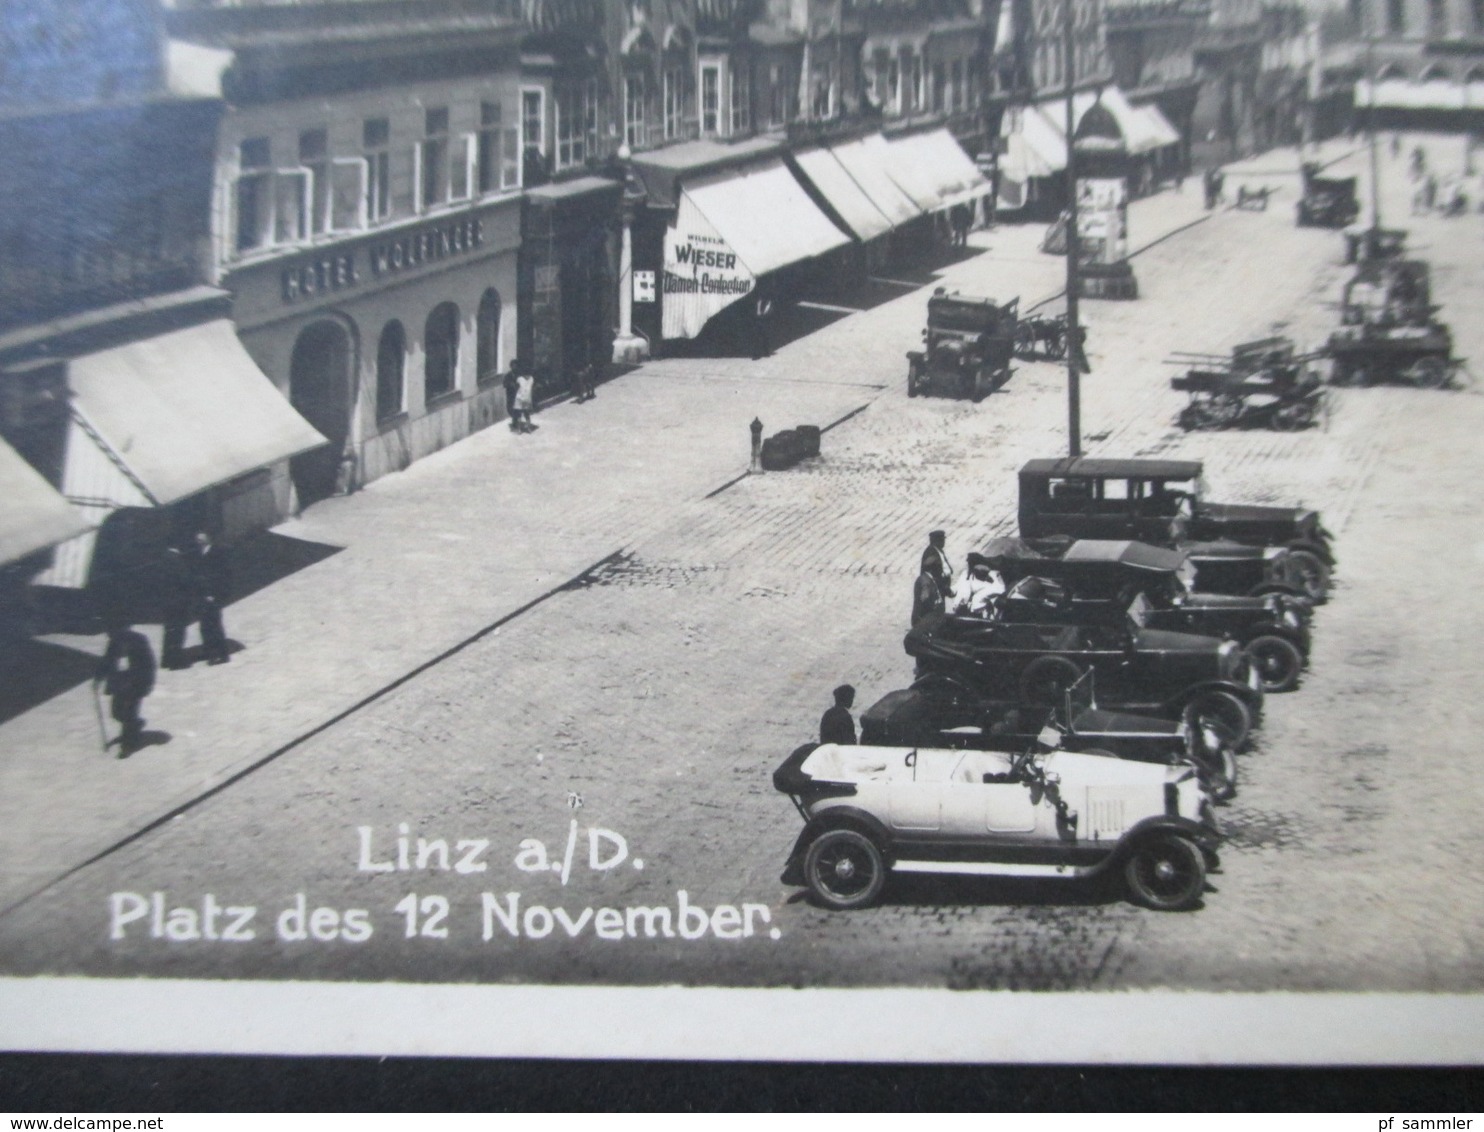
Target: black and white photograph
x,y
895,530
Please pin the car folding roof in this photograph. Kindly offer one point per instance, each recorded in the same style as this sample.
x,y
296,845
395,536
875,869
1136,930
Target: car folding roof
x,y
1094,466
1137,554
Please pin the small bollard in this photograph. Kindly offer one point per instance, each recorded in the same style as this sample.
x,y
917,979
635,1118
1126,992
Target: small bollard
x,y
757,445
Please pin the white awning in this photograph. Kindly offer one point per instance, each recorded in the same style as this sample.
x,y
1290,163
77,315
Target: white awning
x,y
764,216
1033,146
933,169
866,160
35,515
1433,94
1140,134
834,182
1164,133
185,411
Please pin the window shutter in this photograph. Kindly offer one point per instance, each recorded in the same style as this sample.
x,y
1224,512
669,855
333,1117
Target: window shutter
x,y
510,158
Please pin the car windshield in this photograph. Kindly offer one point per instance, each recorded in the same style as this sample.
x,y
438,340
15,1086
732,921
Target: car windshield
x,y
1138,611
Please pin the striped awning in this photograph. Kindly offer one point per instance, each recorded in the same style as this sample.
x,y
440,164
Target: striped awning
x,y
35,516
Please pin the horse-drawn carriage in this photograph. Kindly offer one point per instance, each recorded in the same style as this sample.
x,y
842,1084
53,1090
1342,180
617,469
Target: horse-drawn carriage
x,y
1388,329
1263,384
1251,198
967,346
1046,336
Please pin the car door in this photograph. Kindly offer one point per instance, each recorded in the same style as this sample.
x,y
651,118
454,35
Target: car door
x,y
916,801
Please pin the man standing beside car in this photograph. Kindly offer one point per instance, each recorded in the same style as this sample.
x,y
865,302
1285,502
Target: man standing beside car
x,y
836,725
935,561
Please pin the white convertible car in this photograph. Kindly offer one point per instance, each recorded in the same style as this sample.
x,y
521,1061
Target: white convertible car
x,y
1059,815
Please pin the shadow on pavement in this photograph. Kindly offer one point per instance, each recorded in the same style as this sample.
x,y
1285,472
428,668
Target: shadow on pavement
x,y
267,557
32,672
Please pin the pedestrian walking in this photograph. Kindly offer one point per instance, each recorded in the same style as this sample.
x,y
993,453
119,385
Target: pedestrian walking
x,y
126,673
525,401
837,725
582,384
935,562
1208,182
762,326
511,388
961,216
213,588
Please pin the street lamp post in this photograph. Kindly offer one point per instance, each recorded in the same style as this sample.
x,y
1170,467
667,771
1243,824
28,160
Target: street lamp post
x,y
1074,353
628,348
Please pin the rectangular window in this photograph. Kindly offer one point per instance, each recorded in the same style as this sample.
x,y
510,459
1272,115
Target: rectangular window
x,y
254,194
942,97
433,160
576,123
375,139
291,206
314,157
674,102
893,103
919,84
822,104
777,96
533,119
635,124
740,96
710,98
1396,17
881,76
348,197
498,151
957,94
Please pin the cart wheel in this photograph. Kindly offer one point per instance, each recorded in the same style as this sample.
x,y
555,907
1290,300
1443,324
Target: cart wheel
x,y
1428,373
1224,409
1025,340
1056,345
1196,416
1291,418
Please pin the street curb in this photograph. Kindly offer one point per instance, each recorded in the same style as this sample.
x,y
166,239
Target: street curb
x,y
572,583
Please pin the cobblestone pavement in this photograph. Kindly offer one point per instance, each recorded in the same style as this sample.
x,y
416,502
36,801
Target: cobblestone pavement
x,y
661,690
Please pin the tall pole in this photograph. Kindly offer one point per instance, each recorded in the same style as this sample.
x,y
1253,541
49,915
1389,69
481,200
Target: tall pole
x,y
1074,354
1370,118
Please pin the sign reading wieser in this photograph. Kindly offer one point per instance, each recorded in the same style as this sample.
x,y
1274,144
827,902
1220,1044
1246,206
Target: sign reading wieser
x,y
703,274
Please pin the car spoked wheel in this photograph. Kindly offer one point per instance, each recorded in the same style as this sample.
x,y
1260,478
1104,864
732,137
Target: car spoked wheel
x,y
1278,662
1046,680
1166,872
1307,572
1222,714
844,869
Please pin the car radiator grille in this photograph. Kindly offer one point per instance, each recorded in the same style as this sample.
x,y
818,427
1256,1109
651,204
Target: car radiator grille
x,y
1105,818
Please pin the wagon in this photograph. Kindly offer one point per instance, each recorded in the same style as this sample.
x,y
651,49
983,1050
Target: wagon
x,y
1047,336
967,346
1389,330
1263,384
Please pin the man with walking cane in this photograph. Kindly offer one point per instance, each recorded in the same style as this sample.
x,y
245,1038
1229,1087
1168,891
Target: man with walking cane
x,y
127,675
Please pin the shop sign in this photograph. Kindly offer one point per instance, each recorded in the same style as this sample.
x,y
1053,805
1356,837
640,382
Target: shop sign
x,y
643,286
1102,219
703,274
343,270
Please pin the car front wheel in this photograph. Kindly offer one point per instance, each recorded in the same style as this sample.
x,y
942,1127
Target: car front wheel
x,y
1166,872
1278,662
1221,713
1307,571
844,869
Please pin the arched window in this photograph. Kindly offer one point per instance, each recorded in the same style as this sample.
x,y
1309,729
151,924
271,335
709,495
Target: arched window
x,y
487,336
1432,72
441,351
1389,71
391,362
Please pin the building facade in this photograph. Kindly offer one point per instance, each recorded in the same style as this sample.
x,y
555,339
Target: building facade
x,y
367,220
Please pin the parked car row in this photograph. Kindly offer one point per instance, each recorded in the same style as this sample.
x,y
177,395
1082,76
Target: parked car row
x,y
1088,723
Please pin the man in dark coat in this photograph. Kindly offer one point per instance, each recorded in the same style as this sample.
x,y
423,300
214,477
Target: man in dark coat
x,y
836,725
935,561
512,382
927,599
179,606
127,674
213,587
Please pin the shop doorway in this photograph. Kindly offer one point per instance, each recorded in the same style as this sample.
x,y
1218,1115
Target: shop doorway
x,y
320,389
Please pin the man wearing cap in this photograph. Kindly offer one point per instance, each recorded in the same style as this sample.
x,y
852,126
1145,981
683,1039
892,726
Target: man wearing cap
x,y
977,589
836,725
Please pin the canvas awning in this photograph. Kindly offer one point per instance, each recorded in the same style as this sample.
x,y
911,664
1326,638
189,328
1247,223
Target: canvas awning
x,y
1139,134
1158,126
866,160
764,216
835,184
35,515
1033,147
933,169
185,411
1431,94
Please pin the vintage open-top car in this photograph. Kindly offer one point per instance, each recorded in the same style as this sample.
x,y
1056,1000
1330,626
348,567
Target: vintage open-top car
x,y
967,345
869,811
1163,502
1097,581
940,713
1147,671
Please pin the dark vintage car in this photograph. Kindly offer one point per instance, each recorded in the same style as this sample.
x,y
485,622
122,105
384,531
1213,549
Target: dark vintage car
x,y
1148,671
933,713
1389,330
1163,502
1328,202
967,346
1095,581
1058,817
